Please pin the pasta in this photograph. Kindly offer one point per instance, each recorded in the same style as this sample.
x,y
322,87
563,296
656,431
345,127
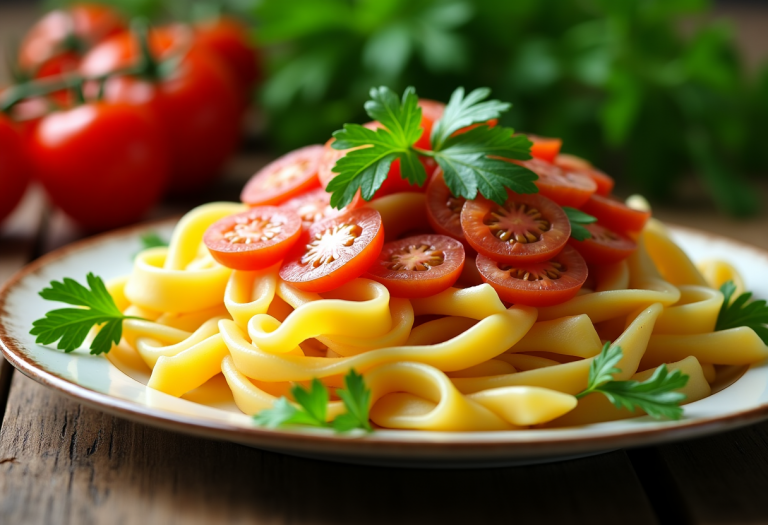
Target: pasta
x,y
458,360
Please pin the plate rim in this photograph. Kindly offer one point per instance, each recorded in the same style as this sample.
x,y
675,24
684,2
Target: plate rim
x,y
350,445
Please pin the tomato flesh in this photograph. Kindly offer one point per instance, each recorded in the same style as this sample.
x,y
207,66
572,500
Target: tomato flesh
x,y
444,210
290,175
315,206
605,246
255,239
616,215
335,251
545,148
418,266
544,283
572,163
563,187
526,229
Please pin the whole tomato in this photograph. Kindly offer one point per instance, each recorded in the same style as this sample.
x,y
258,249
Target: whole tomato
x,y
196,100
14,172
105,164
227,38
70,30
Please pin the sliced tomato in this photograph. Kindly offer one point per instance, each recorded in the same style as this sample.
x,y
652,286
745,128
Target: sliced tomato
x,y
576,164
315,206
605,246
563,187
615,215
255,239
292,174
544,283
335,251
418,266
526,229
444,210
431,112
545,148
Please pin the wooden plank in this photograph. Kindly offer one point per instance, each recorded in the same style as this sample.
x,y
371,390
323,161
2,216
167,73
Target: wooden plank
x,y
67,464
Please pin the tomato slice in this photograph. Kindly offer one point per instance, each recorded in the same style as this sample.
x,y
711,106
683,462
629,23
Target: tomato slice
x,y
545,148
315,206
544,283
431,112
616,215
563,187
444,210
526,229
290,175
573,163
335,251
605,246
254,239
418,266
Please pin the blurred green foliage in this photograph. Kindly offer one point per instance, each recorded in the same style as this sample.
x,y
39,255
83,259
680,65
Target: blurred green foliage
x,y
648,89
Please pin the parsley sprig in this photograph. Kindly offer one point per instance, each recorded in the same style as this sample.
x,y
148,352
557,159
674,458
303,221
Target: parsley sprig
x,y
313,404
657,396
472,162
152,240
742,312
577,219
70,326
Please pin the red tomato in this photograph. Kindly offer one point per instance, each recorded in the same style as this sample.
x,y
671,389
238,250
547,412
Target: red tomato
x,y
14,168
444,210
526,229
197,104
292,174
255,239
56,67
615,214
605,246
418,266
315,206
431,112
75,28
104,164
575,164
563,187
545,148
544,283
335,251
228,39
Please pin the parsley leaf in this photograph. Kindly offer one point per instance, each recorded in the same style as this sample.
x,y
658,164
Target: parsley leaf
x,y
577,218
70,326
472,161
657,396
313,404
152,240
742,312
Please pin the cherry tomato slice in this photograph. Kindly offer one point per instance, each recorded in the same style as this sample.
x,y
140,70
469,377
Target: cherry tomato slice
x,y
315,206
544,283
526,229
431,112
255,239
292,174
615,214
335,251
444,210
573,163
605,246
563,187
418,266
545,148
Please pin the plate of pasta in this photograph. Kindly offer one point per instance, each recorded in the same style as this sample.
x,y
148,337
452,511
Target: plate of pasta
x,y
404,321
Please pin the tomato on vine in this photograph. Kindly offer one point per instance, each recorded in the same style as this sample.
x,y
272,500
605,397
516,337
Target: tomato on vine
x,y
14,167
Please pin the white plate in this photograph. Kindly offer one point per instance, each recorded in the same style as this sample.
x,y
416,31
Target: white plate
x,y
96,382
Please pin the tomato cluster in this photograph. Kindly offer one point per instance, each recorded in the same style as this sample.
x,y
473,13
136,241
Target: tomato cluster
x,y
522,248
130,114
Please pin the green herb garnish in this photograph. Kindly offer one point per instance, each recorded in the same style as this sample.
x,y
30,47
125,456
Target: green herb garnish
x,y
152,240
313,403
577,218
742,312
70,326
657,395
472,161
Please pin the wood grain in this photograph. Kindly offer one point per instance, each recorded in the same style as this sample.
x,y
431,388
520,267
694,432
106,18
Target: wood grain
x,y
80,466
